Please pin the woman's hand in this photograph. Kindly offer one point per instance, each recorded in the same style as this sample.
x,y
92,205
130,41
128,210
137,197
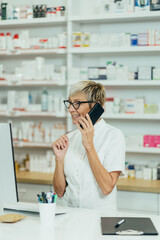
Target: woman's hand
x,y
87,132
60,147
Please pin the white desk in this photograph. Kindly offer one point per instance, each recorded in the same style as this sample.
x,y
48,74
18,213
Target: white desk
x,y
77,224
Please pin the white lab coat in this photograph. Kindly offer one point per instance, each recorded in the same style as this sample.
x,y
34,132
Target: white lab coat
x,y
83,190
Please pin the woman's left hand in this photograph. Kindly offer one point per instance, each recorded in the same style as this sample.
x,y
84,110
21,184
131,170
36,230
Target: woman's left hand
x,y
87,132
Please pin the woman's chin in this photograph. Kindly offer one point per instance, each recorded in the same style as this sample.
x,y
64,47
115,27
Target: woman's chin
x,y
74,121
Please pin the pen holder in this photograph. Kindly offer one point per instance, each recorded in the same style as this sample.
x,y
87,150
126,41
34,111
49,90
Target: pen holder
x,y
47,214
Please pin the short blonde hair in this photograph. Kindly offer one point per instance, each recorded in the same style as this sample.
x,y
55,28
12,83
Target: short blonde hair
x,y
94,91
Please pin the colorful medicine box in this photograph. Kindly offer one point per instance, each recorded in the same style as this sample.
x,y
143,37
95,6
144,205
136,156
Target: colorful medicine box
x,y
141,5
154,5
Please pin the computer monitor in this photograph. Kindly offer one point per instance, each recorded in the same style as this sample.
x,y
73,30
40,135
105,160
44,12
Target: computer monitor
x,y
8,183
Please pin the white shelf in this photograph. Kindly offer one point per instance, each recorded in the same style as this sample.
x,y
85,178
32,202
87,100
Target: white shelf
x,y
97,50
32,22
133,116
32,83
30,145
31,114
142,150
104,82
129,83
33,52
49,145
117,17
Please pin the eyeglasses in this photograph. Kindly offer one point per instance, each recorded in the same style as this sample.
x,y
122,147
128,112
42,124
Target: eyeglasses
x,y
76,105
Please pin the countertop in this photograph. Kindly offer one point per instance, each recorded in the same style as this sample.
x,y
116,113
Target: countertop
x,y
124,184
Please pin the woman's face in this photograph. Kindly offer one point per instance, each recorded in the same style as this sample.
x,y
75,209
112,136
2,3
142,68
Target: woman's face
x,y
82,110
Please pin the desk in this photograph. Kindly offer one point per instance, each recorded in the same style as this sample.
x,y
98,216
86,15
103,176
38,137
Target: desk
x,y
77,224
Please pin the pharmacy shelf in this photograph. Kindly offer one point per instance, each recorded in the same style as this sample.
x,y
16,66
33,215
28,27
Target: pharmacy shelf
x,y
138,185
143,150
123,184
18,52
32,83
32,22
48,145
133,116
32,145
103,50
143,83
34,177
116,17
30,114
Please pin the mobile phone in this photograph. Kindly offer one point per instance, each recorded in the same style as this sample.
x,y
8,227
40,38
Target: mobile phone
x,y
95,113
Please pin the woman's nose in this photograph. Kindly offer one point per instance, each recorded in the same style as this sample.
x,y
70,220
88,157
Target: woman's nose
x,y
71,108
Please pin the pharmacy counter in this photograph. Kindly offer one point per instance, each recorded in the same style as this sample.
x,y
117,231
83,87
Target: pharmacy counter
x,y
136,185
34,177
75,224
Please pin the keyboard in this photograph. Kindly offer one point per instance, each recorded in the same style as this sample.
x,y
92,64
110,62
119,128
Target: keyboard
x,y
28,208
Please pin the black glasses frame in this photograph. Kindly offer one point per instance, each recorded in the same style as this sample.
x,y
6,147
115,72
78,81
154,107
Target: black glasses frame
x,y
73,104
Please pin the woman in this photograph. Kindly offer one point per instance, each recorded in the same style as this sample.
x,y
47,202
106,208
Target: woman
x,y
88,160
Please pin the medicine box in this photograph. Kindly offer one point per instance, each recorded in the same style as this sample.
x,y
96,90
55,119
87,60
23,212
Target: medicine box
x,y
154,5
96,73
129,5
117,6
141,5
144,72
130,106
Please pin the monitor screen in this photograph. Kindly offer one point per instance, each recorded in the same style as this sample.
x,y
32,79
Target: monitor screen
x,y
8,184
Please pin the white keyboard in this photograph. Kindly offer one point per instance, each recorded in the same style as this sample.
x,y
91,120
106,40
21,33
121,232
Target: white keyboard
x,y
21,206
28,207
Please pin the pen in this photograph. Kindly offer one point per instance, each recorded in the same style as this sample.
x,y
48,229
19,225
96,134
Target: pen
x,y
119,223
55,198
48,197
44,197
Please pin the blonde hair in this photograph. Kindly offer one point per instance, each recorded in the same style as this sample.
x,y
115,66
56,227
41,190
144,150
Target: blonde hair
x,y
94,91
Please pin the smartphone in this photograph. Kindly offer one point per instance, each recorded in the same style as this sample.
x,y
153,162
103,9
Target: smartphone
x,y
95,113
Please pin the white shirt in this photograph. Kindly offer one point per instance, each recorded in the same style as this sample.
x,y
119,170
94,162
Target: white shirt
x,y
83,190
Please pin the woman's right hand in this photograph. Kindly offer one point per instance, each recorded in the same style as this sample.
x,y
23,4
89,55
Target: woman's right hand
x,y
60,147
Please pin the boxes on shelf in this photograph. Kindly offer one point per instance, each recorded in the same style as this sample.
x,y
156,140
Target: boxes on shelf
x,y
28,12
120,6
154,5
134,140
141,5
36,70
97,73
151,141
137,171
37,132
37,163
150,108
145,72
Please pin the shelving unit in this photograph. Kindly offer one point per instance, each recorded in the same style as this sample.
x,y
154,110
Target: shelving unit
x,y
116,17
24,52
122,50
130,124
40,27
78,21
133,83
31,114
128,149
33,22
133,116
32,145
137,185
143,150
31,83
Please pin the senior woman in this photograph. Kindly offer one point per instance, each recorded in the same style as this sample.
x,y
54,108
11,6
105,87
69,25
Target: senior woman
x,y
88,160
